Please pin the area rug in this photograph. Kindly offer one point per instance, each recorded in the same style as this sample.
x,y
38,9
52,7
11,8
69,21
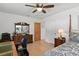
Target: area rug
x,y
5,49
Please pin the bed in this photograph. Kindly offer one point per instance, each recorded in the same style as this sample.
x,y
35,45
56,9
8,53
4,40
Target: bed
x,y
70,48
67,49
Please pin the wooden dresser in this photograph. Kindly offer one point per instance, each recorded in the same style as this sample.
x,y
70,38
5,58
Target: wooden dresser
x,y
30,37
17,38
59,41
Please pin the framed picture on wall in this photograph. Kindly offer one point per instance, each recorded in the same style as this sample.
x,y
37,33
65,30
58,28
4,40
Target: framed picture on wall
x,y
25,29
21,27
18,29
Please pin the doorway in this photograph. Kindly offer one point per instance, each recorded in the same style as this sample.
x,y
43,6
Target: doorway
x,y
37,31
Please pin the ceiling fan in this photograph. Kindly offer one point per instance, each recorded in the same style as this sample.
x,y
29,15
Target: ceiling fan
x,y
40,7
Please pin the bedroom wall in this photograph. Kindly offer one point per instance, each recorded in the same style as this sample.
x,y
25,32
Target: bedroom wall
x,y
7,22
60,20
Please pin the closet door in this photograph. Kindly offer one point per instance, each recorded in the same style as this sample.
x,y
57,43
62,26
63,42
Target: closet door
x,y
37,31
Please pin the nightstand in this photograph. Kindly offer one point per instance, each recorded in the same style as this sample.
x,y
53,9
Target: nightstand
x,y
59,41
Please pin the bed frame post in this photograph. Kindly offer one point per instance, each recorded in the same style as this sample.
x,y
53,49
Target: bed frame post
x,y
69,26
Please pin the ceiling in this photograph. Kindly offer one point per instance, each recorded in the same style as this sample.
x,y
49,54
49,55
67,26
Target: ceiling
x,y
21,9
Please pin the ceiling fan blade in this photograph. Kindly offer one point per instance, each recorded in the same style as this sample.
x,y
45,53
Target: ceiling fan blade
x,y
30,5
48,6
43,11
34,11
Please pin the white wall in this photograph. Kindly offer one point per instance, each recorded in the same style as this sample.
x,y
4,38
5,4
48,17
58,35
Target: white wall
x,y
7,22
49,24
60,20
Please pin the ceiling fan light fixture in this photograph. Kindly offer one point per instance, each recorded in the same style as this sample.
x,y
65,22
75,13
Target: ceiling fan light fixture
x,y
39,9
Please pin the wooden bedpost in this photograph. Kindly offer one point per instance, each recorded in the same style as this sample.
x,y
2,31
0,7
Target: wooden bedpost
x,y
69,26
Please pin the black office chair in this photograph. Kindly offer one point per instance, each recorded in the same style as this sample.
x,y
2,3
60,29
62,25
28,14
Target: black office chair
x,y
6,36
23,51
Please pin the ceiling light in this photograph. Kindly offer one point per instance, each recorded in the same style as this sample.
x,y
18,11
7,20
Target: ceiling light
x,y
39,9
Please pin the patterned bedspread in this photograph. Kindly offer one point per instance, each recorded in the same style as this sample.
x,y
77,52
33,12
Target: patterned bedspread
x,y
67,49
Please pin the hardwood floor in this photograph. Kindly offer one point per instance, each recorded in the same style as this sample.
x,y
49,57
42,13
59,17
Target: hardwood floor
x,y
37,48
